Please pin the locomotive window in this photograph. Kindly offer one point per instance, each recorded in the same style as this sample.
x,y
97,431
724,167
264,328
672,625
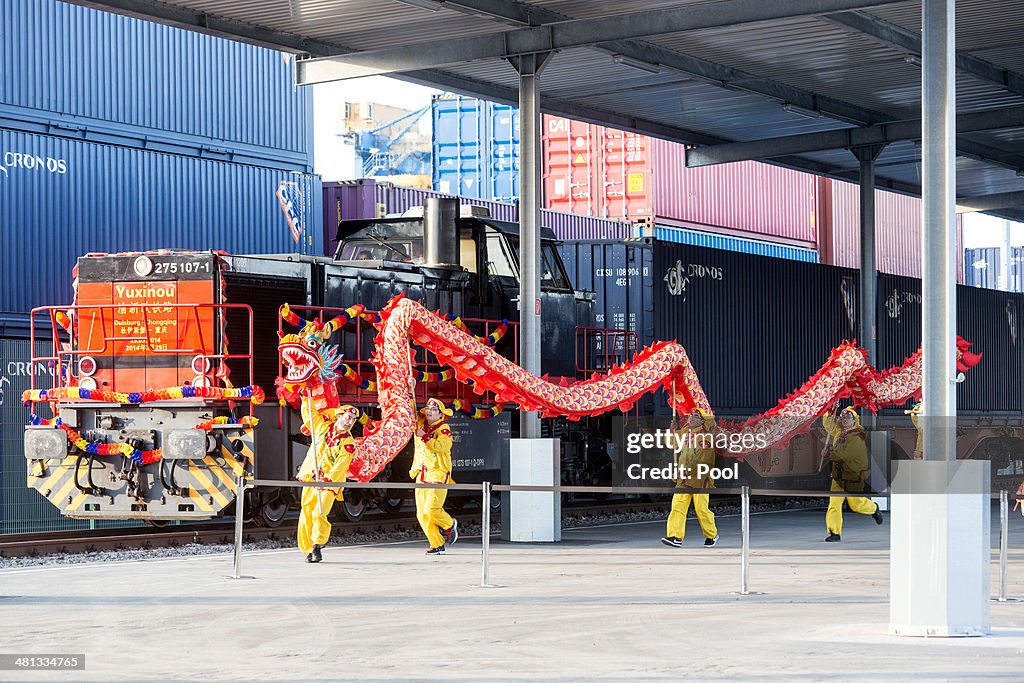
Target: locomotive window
x,y
552,274
467,254
375,251
499,261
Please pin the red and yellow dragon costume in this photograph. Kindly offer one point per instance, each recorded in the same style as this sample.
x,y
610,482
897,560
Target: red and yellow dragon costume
x,y
312,367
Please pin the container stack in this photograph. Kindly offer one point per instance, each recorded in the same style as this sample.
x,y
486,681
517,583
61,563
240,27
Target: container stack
x,y
614,175
189,149
123,135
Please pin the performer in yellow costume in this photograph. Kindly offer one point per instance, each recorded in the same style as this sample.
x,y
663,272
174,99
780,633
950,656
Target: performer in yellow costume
x,y
328,459
432,464
699,449
914,413
847,449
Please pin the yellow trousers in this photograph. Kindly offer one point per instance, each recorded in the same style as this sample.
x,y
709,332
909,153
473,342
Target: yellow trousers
x,y
430,512
834,516
681,508
314,529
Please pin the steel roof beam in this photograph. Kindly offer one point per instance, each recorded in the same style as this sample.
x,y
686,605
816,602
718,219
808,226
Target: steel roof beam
x,y
172,15
701,69
849,138
563,35
992,202
211,24
909,42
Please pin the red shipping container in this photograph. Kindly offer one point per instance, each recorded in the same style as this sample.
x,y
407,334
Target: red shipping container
x,y
571,159
598,171
897,230
748,198
626,175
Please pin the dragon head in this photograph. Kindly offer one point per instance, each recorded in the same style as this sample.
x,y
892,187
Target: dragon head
x,y
307,356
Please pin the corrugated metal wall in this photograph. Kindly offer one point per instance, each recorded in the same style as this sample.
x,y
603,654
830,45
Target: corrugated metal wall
x,y
61,198
897,231
595,170
752,197
990,319
105,77
984,268
755,328
713,241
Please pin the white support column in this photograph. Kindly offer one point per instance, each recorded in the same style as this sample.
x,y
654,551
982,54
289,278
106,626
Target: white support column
x,y
529,68
939,551
534,515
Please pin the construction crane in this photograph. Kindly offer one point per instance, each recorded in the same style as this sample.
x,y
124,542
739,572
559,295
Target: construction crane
x,y
380,150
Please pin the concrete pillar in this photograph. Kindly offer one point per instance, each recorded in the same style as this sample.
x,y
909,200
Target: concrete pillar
x,y
940,507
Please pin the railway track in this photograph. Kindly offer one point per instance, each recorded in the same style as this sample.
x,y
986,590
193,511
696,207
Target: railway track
x,y
65,542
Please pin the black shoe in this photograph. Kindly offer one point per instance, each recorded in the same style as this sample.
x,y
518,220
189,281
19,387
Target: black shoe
x,y
673,541
711,542
452,533
309,558
877,515
317,557
833,538
439,550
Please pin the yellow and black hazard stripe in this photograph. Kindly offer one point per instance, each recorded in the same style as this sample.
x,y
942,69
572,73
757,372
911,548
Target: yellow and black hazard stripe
x,y
214,478
210,483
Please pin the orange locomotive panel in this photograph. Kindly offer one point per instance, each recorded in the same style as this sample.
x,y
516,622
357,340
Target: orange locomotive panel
x,y
142,338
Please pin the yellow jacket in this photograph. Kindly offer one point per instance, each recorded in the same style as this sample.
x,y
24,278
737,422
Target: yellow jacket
x,y
848,452
432,463
330,454
702,452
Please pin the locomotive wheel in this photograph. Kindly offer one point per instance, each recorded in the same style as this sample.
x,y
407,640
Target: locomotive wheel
x,y
272,513
353,510
390,505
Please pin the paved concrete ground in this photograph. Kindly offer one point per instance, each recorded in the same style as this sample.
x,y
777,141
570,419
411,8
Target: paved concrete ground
x,y
608,603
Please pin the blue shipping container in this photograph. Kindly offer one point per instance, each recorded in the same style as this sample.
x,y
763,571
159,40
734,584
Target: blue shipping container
x,y
93,75
983,267
727,243
475,148
620,273
61,198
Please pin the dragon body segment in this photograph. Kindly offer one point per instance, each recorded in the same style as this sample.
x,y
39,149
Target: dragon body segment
x,y
845,374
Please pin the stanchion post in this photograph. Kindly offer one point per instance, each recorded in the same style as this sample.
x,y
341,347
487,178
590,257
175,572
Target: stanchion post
x,y
1004,540
485,531
745,540
239,516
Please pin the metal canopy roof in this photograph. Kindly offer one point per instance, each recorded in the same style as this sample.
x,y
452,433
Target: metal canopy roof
x,y
705,73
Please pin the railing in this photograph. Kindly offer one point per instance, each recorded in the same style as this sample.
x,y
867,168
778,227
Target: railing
x,y
62,356
598,349
486,488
